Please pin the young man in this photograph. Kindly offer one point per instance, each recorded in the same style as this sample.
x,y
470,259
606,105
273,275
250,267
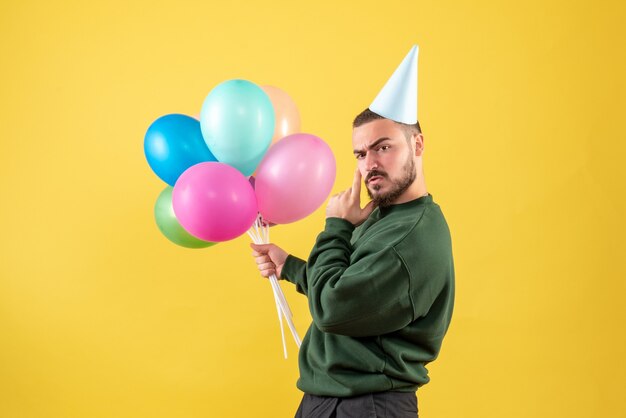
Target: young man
x,y
379,280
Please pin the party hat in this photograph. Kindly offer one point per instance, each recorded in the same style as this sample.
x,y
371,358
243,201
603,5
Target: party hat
x,y
398,99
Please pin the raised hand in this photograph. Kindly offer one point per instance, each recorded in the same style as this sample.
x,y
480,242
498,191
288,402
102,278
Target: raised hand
x,y
347,204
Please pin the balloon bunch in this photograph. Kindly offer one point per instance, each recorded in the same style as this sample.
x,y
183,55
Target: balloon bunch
x,y
208,165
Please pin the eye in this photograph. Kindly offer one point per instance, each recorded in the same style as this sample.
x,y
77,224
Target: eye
x,y
359,156
383,148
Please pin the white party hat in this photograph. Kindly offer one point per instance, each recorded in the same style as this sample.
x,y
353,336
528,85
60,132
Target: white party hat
x,y
398,99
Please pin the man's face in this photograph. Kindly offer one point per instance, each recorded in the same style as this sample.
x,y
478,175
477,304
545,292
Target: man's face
x,y
385,160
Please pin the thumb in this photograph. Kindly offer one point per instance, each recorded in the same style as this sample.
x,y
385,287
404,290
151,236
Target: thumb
x,y
261,248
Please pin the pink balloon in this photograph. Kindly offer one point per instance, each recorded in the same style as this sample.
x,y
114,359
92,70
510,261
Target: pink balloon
x,y
214,202
294,178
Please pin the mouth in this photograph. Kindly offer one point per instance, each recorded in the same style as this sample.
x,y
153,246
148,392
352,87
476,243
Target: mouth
x,y
375,179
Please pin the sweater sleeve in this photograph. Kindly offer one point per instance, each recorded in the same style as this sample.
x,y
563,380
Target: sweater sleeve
x,y
294,271
364,294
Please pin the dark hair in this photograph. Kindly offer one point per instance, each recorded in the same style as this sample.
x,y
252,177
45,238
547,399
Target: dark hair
x,y
368,116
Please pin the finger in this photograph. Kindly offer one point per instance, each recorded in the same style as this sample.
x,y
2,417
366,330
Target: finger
x,y
267,266
268,273
336,197
261,248
263,259
356,185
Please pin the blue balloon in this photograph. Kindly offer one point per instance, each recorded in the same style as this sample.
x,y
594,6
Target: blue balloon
x,y
237,122
174,143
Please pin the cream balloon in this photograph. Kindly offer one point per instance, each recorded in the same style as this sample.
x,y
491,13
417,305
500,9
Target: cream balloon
x,y
287,114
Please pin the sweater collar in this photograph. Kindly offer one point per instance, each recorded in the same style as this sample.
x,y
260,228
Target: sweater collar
x,y
411,204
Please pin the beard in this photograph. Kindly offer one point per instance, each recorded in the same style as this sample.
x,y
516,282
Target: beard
x,y
398,186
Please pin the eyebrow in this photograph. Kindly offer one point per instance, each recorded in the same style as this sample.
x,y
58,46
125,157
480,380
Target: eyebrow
x,y
373,144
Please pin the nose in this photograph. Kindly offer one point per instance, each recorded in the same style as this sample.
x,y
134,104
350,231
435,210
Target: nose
x,y
371,162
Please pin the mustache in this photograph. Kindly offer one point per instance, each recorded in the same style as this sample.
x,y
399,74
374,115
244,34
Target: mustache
x,y
374,173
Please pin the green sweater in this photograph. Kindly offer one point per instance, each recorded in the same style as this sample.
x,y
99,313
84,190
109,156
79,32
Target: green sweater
x,y
381,298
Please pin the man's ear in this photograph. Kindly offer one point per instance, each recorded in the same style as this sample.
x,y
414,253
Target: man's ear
x,y
418,143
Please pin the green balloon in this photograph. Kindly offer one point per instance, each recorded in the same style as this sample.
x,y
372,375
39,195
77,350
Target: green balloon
x,y
169,225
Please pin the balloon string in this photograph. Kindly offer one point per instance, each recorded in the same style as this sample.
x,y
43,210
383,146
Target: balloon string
x,y
282,328
259,233
286,311
277,289
257,240
285,308
274,280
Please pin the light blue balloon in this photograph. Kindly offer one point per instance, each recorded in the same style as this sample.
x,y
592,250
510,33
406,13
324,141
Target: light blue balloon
x,y
172,144
237,122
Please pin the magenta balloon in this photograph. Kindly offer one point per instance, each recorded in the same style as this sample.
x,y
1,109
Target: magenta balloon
x,y
214,202
294,178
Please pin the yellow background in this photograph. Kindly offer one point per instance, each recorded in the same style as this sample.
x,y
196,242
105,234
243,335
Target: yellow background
x,y
522,105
